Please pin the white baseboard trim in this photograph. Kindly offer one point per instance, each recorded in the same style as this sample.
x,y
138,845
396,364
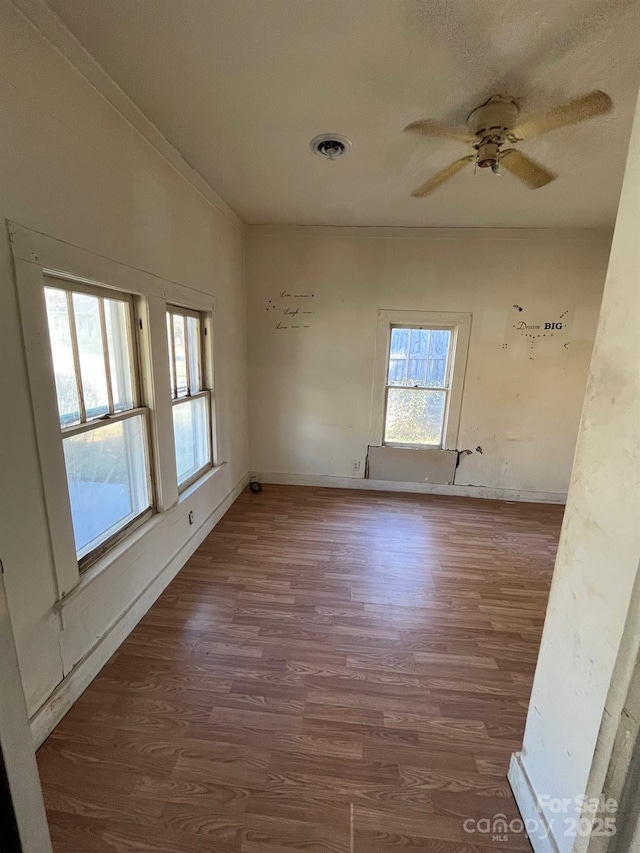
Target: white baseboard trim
x,y
47,717
542,839
487,492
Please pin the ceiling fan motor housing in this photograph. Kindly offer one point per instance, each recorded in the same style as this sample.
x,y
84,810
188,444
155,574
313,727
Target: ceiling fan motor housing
x,y
493,118
490,124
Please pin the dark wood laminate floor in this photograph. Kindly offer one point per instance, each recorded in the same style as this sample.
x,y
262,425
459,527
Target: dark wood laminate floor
x,y
331,671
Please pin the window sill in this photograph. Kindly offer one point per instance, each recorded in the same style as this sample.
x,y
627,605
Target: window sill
x,y
120,550
194,479
204,478
413,446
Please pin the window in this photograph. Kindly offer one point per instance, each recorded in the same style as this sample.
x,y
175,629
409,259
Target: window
x,y
420,363
103,427
191,403
417,386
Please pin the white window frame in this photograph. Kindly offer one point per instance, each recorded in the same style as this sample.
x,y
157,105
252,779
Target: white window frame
x,y
206,391
59,282
460,326
35,256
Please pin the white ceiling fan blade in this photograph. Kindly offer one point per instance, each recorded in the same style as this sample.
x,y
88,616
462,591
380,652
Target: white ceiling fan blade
x,y
594,104
527,170
440,177
431,127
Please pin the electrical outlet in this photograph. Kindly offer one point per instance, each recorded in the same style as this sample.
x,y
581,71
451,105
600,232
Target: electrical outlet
x,y
190,516
355,466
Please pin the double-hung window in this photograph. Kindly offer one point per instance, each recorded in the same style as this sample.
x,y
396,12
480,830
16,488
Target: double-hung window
x,y
423,378
190,397
103,425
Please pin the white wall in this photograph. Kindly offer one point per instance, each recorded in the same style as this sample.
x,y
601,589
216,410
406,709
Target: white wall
x,y
311,389
599,551
18,758
75,169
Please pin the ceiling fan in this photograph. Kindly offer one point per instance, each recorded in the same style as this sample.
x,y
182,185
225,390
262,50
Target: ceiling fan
x,y
494,124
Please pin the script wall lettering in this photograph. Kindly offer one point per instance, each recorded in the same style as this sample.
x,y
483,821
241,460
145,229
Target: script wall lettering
x,y
290,311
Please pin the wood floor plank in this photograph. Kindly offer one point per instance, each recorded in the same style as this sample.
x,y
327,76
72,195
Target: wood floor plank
x,y
329,667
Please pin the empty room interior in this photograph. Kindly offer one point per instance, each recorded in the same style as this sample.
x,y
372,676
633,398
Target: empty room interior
x,y
320,505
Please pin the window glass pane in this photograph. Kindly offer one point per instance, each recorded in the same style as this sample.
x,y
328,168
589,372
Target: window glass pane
x,y
436,373
400,343
107,473
91,354
419,343
191,434
418,357
414,417
417,373
180,354
116,316
397,371
439,345
172,376
62,353
195,370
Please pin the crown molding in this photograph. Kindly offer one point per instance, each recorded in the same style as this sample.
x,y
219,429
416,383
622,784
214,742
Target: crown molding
x,y
49,25
437,233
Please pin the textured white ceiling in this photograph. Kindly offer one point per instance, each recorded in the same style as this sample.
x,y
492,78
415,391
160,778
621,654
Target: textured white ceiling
x,y
241,86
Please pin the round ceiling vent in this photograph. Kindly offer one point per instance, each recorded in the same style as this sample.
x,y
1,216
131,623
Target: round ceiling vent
x,y
330,145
